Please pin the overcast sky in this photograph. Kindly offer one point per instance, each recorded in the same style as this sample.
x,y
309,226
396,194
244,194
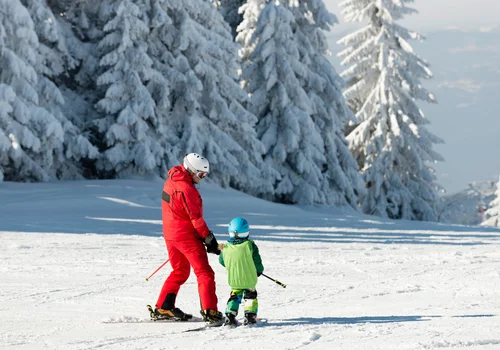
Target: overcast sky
x,y
441,14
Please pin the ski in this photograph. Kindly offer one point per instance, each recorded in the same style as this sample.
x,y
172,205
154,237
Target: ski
x,y
153,319
129,319
207,326
260,322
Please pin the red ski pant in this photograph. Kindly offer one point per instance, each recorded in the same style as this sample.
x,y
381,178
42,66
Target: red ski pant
x,y
183,255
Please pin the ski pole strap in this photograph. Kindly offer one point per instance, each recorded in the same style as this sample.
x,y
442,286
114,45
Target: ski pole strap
x,y
275,281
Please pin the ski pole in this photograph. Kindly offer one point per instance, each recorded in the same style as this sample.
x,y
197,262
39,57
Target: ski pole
x,y
275,281
147,279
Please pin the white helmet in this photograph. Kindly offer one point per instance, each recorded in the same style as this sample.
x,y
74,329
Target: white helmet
x,y
196,164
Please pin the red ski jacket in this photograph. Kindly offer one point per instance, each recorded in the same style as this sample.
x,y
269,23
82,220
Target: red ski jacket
x,y
182,207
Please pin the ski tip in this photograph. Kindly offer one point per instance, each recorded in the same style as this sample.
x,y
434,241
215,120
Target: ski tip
x,y
206,326
216,324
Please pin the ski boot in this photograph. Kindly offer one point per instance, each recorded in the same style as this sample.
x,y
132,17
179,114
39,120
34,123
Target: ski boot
x,y
174,314
213,318
231,320
250,319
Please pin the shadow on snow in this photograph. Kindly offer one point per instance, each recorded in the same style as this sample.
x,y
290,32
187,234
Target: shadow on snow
x,y
356,320
133,208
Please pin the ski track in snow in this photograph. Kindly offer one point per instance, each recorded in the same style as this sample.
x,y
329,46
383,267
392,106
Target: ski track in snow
x,y
416,287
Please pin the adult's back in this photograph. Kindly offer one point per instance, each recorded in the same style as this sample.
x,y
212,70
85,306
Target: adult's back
x,y
182,207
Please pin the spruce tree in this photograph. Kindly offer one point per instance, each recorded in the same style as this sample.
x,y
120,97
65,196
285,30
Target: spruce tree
x,y
54,61
191,45
250,10
293,143
297,98
390,142
33,133
492,215
128,125
230,10
7,98
81,27
331,113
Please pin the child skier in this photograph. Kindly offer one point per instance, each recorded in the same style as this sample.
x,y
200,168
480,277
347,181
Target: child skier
x,y
241,258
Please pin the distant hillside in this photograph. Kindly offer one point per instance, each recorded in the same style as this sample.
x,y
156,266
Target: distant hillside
x,y
467,207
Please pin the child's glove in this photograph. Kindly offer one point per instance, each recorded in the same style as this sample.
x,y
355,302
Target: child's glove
x,y
259,273
211,244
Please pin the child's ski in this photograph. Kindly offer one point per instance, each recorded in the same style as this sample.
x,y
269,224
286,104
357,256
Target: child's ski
x,y
260,322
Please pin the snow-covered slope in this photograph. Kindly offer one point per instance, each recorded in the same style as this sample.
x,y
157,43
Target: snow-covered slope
x,y
75,256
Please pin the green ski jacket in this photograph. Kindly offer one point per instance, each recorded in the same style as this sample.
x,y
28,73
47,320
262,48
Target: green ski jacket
x,y
243,262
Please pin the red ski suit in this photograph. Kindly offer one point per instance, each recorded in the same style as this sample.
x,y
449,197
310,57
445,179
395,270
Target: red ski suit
x,y
184,230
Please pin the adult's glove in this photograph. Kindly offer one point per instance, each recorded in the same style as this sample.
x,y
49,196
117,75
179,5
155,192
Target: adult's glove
x,y
259,273
212,244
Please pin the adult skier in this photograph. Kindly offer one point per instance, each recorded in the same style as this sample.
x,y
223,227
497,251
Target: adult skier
x,y
186,232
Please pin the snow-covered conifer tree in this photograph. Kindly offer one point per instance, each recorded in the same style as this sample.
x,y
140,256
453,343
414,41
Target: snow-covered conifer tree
x,y
7,98
195,51
293,143
297,97
33,132
230,11
82,29
128,127
155,14
324,88
250,11
391,143
53,61
492,215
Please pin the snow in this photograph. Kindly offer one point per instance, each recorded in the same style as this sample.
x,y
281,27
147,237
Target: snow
x,y
75,256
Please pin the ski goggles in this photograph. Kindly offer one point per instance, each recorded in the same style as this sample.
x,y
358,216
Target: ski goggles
x,y
239,235
201,174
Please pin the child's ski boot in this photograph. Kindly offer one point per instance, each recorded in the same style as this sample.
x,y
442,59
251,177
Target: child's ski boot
x,y
231,321
250,319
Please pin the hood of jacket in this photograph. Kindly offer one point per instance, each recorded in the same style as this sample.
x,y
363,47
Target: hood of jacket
x,y
178,173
